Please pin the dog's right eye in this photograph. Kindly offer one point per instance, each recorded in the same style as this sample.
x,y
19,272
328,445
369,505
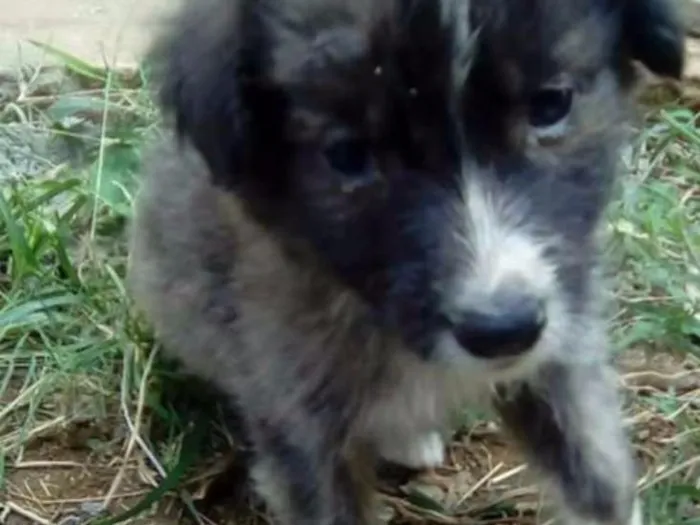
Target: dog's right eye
x,y
348,155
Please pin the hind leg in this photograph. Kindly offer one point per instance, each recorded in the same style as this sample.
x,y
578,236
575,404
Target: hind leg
x,y
570,425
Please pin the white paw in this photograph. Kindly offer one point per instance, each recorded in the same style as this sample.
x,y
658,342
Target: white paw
x,y
422,451
636,518
637,514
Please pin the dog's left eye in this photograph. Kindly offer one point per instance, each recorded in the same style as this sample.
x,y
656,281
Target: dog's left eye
x,y
348,155
550,106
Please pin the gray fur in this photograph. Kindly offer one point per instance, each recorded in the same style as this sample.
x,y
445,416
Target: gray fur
x,y
326,302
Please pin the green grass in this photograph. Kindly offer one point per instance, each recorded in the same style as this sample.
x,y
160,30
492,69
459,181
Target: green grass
x,y
80,380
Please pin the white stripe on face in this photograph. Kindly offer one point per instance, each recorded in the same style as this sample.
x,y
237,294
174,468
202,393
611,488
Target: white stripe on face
x,y
499,251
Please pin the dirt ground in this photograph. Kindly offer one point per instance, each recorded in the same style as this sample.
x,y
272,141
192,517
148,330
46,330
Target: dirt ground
x,y
71,473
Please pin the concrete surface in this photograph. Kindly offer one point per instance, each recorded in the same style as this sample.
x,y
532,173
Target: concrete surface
x,y
117,31
111,31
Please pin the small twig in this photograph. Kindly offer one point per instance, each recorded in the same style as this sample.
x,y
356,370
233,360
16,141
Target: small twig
x,y
26,513
476,486
414,513
665,474
47,464
507,496
24,396
71,501
49,99
41,429
135,425
509,474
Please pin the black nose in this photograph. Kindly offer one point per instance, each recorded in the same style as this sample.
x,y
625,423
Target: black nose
x,y
509,325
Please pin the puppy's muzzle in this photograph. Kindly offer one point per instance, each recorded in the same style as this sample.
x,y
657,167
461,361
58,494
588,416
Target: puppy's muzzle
x,y
508,325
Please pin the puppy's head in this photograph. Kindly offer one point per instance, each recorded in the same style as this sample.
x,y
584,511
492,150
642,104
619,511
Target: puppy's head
x,y
448,160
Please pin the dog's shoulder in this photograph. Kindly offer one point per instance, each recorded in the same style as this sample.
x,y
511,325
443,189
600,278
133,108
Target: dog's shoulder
x,y
179,235
176,196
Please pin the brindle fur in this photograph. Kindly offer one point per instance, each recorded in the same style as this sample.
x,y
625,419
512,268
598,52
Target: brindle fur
x,y
323,305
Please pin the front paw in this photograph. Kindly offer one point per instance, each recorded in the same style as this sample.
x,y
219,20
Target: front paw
x,y
636,518
417,452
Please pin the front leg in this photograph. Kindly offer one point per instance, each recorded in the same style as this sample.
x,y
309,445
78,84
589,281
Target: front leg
x,y
569,422
305,478
415,451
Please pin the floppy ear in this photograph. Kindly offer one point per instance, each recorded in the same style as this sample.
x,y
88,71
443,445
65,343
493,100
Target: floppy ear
x,y
206,73
653,33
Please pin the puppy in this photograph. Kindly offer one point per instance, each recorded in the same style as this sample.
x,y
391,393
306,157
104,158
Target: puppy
x,y
371,212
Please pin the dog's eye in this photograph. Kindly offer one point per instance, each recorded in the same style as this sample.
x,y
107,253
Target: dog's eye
x,y
348,155
550,106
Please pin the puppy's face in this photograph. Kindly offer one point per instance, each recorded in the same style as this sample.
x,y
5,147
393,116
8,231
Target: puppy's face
x,y
447,160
